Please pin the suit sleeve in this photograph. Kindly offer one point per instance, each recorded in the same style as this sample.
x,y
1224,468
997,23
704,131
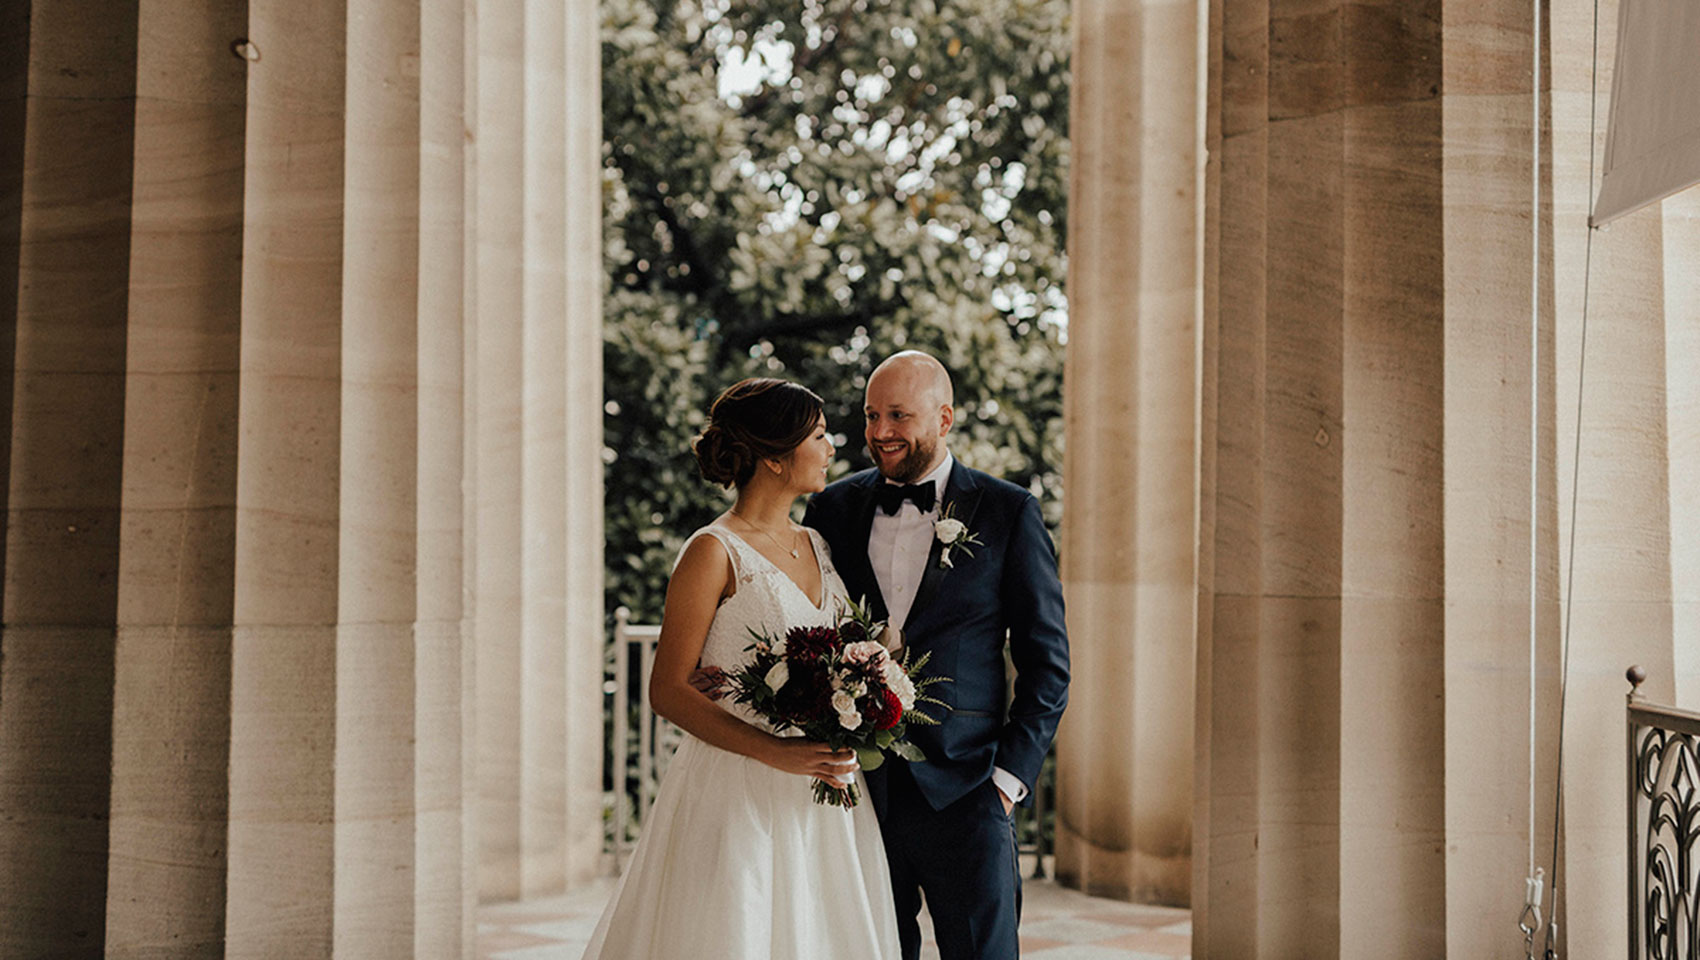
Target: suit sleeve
x,y
1038,646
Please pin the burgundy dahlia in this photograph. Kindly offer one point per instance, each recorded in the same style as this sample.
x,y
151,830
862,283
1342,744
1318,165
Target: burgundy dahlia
x,y
810,643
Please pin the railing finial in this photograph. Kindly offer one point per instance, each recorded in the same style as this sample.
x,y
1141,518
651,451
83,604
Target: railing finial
x,y
1636,676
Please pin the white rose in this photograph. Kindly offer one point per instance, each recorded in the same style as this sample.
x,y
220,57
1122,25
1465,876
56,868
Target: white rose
x,y
843,702
777,676
851,720
899,683
949,530
779,647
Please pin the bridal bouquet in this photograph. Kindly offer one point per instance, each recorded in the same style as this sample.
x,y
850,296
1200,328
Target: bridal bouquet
x,y
839,686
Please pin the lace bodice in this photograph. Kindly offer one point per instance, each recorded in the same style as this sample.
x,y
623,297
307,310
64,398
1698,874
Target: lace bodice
x,y
766,601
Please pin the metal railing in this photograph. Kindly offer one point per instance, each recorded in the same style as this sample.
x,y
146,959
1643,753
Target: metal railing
x,y
639,744
1664,828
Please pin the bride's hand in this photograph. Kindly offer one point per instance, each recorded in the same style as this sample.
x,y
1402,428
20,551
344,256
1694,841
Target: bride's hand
x,y
810,759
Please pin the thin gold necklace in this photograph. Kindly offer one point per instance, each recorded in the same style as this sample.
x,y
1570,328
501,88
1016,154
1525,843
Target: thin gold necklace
x,y
792,550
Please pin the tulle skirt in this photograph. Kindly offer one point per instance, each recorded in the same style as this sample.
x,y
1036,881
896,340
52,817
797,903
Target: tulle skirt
x,y
737,862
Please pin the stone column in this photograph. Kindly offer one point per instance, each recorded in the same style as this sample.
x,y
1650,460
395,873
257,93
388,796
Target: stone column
x,y
543,423
442,920
171,713
252,433
1125,768
472,798
1226,813
497,470
377,591
1682,418
585,633
283,698
1323,668
70,222
1495,347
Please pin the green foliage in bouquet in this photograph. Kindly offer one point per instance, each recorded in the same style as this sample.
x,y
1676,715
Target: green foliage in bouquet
x,y
839,686
799,188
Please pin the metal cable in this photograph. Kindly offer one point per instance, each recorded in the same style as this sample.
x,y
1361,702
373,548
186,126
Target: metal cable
x,y
1575,484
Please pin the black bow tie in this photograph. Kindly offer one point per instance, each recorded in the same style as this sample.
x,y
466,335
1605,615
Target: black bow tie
x,y
890,496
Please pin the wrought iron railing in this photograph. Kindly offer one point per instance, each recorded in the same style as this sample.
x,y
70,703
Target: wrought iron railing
x,y
1664,828
639,743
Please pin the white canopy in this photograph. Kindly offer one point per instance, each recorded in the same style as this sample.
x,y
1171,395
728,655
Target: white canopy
x,y
1653,139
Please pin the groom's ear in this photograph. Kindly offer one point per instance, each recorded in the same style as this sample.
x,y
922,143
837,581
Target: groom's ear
x,y
947,418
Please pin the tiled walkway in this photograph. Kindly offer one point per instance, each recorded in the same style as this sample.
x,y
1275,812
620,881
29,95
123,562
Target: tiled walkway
x,y
1056,924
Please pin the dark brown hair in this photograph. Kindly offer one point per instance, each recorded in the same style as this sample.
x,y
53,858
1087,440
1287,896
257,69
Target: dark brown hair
x,y
751,421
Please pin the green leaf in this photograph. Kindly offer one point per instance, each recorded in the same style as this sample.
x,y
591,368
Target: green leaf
x,y
869,757
908,751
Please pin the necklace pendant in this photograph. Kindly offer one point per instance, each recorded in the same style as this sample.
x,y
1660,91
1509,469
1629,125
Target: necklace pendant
x,y
793,554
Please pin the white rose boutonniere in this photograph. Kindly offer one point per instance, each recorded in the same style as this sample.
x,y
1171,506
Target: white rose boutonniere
x,y
953,534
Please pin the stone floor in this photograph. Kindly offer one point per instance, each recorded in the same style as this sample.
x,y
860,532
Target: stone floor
x,y
1056,924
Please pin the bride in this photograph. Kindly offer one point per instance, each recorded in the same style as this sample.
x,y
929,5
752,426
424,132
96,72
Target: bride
x,y
737,860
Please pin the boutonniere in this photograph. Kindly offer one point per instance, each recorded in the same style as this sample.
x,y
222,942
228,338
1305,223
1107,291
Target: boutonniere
x,y
953,534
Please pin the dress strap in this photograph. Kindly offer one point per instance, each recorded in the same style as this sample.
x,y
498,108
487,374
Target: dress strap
x,y
728,543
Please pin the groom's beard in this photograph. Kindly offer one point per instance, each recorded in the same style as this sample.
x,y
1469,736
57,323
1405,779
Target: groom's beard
x,y
912,467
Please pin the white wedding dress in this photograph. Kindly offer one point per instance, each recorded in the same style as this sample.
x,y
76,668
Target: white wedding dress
x,y
737,861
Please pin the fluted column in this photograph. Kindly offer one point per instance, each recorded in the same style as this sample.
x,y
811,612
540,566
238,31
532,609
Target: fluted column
x,y
543,425
471,847
65,439
284,683
1682,417
1226,815
442,919
264,468
1323,669
171,712
377,593
1495,346
584,632
1129,557
497,470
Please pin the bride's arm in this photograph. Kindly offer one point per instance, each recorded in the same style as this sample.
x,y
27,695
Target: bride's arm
x,y
693,595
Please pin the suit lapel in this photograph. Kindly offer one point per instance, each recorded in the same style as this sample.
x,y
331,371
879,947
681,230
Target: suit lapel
x,y
964,492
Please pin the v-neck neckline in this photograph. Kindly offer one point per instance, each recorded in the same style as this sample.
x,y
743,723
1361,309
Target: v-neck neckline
x,y
820,569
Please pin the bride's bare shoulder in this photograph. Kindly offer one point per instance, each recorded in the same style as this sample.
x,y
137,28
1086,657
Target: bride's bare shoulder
x,y
706,564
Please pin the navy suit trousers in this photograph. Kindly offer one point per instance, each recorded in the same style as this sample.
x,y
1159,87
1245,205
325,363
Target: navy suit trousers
x,y
961,859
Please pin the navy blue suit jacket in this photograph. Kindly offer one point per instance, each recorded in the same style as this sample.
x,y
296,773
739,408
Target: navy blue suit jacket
x,y
963,615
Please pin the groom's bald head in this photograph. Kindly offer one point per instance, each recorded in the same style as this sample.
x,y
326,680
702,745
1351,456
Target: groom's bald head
x,y
909,409
918,376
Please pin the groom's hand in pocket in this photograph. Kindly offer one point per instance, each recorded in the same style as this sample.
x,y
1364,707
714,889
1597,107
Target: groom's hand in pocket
x,y
1008,804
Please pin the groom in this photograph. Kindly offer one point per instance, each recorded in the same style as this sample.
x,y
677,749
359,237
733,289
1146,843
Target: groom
x,y
946,821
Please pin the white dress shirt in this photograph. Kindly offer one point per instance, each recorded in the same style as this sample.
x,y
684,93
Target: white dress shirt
x,y
898,546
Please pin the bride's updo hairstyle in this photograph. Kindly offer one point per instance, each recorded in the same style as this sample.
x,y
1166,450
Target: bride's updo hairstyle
x,y
754,420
